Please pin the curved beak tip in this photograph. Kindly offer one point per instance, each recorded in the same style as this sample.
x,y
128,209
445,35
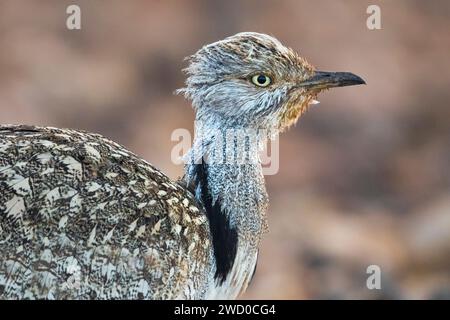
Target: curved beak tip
x,y
357,79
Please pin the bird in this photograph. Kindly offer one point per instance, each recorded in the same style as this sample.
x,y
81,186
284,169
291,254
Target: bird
x,y
82,217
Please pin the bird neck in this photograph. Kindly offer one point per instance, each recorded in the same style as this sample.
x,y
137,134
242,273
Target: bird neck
x,y
227,177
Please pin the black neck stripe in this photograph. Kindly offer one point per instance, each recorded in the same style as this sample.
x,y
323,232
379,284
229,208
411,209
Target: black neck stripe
x,y
224,237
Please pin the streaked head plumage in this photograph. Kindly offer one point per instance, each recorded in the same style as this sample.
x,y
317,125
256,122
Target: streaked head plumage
x,y
252,80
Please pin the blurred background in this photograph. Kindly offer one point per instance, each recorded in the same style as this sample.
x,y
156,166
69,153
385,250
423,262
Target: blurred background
x,y
364,177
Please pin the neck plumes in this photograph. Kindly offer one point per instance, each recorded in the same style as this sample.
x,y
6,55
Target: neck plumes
x,y
225,170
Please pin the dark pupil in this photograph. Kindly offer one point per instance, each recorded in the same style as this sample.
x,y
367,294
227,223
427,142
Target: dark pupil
x,y
261,79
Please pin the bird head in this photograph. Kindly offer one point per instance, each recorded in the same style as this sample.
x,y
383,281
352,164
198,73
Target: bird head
x,y
252,80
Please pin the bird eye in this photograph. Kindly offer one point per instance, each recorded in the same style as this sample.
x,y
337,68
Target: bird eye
x,y
261,80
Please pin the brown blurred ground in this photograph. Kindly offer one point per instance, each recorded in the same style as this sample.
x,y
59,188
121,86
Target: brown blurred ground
x,y
364,177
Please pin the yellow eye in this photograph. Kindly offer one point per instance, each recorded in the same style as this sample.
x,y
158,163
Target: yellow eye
x,y
261,80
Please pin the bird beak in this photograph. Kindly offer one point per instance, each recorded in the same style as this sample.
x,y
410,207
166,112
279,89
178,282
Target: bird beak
x,y
324,80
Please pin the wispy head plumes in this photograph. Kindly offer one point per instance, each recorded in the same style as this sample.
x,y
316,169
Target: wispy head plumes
x,y
220,86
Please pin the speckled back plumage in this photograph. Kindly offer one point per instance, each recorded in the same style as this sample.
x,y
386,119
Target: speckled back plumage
x,y
82,217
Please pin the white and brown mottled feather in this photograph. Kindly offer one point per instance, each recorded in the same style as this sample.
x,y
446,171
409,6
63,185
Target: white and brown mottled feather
x,y
82,217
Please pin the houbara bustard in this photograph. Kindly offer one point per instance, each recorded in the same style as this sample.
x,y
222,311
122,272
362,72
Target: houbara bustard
x,y
81,217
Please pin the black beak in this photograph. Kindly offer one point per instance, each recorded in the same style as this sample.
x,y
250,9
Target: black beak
x,y
323,80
